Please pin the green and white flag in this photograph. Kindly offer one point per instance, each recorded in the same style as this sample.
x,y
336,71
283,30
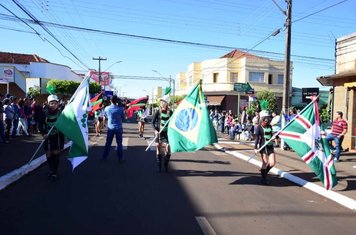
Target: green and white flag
x,y
190,127
303,135
73,123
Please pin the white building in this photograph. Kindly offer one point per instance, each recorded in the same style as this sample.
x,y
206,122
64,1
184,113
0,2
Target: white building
x,y
19,72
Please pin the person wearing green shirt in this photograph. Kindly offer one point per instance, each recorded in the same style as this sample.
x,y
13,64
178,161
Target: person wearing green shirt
x,y
264,135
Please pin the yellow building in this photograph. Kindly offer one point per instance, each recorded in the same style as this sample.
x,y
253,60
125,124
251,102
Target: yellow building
x,y
344,85
222,78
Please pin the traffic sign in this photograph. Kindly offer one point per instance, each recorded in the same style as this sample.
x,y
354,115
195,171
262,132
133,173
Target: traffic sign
x,y
243,87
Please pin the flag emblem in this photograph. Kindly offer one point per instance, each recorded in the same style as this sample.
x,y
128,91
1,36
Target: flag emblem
x,y
190,127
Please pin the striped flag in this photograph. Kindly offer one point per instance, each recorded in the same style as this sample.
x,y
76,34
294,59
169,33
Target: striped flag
x,y
135,105
303,135
96,102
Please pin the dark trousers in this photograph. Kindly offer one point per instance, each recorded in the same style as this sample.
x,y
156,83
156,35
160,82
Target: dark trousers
x,y
8,123
109,137
2,131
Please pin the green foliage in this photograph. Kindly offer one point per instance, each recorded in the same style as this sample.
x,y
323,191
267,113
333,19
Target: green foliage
x,y
267,96
65,87
325,116
94,88
34,91
177,98
270,97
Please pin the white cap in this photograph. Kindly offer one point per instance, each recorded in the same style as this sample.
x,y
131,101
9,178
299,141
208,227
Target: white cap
x,y
52,98
165,98
264,113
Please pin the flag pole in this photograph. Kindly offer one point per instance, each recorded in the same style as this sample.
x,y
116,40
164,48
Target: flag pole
x,y
40,146
274,136
201,99
50,130
149,146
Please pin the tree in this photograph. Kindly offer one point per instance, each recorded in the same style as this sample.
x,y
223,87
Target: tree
x,y
34,91
67,88
263,95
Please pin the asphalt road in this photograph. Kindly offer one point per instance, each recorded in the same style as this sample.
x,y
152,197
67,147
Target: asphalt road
x,y
132,198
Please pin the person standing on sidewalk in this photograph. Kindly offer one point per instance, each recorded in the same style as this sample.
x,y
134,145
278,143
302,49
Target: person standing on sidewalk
x,y
2,126
160,125
338,131
115,114
54,140
22,119
9,116
15,120
264,135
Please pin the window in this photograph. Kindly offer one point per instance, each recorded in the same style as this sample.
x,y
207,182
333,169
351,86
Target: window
x,y
233,77
256,77
280,79
270,77
215,77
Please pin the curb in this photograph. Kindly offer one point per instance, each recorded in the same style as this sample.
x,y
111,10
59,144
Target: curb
x,y
334,196
15,175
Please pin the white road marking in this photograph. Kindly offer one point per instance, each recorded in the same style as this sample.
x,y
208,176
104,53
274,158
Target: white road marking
x,y
205,225
334,196
125,143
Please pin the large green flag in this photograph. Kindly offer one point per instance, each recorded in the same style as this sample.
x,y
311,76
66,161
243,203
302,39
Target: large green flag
x,y
190,127
303,135
73,123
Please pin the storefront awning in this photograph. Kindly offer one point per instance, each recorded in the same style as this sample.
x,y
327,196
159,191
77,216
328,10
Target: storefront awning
x,y
337,79
215,100
350,84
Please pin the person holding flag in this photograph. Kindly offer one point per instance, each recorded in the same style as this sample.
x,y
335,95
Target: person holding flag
x,y
160,124
264,145
54,139
99,118
141,115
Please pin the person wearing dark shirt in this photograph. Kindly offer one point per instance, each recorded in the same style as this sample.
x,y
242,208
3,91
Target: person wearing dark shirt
x,y
160,125
54,139
264,135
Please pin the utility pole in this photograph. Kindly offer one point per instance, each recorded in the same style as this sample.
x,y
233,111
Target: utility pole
x,y
100,59
286,82
171,80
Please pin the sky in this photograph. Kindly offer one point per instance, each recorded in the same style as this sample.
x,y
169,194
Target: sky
x,y
147,35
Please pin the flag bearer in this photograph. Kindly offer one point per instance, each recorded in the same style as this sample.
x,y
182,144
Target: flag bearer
x,y
160,124
264,135
54,140
141,122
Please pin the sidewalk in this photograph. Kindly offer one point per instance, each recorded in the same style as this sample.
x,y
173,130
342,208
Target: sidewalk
x,y
289,163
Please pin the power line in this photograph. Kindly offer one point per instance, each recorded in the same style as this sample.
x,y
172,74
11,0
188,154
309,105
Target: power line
x,y
197,44
36,21
338,3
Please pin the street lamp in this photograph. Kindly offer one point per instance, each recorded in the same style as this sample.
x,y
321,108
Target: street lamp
x,y
119,61
170,80
120,89
152,100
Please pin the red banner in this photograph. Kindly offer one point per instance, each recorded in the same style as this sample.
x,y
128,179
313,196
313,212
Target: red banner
x,y
105,77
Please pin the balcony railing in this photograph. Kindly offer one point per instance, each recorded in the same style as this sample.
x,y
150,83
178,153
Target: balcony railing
x,y
229,87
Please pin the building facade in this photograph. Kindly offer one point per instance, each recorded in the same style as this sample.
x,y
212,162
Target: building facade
x,y
343,83
223,78
19,72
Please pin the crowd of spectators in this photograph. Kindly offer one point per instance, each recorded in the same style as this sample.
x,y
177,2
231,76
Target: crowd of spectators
x,y
20,116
